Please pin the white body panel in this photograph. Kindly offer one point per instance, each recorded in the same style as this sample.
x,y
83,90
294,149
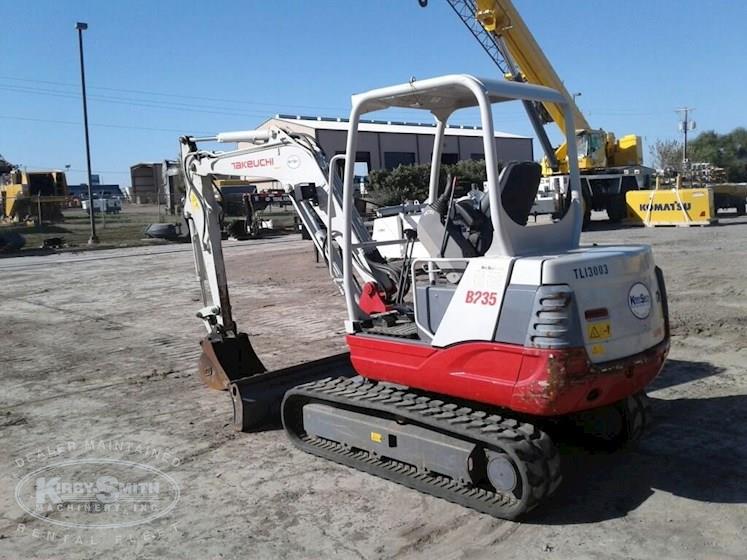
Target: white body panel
x,y
466,319
527,271
391,228
602,277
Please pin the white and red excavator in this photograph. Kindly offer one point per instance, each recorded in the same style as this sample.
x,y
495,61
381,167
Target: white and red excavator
x,y
460,361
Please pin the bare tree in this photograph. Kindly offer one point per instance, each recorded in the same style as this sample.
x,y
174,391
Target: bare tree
x,y
666,154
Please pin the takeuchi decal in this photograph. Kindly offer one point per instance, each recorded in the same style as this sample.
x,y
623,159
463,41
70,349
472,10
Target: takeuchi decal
x,y
253,163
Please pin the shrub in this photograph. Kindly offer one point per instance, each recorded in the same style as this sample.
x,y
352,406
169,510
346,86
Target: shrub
x,y
410,182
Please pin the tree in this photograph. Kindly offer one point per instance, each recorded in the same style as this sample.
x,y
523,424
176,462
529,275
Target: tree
x,y
405,182
469,172
722,150
666,154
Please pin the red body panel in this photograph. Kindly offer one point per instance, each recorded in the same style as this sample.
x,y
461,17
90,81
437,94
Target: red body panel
x,y
530,380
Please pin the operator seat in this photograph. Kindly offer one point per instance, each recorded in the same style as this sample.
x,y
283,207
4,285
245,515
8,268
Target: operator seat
x,y
518,184
470,232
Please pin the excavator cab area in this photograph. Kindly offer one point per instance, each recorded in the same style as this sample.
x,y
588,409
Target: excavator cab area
x,y
488,224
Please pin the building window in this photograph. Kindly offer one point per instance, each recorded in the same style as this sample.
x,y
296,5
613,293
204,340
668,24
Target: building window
x,y
362,163
477,157
449,159
395,159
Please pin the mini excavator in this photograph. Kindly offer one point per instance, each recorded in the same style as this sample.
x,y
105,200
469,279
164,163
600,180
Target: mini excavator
x,y
460,362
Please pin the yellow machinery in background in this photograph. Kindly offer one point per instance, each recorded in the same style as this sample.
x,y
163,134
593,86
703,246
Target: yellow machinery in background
x,y
672,206
610,167
692,198
33,195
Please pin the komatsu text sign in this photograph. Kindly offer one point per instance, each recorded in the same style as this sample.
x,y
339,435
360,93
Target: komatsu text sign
x,y
671,207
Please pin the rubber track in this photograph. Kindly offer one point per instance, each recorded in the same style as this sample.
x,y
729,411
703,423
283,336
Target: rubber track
x,y
531,449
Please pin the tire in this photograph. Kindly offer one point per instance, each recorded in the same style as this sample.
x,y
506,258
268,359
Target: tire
x,y
741,208
587,214
11,242
616,208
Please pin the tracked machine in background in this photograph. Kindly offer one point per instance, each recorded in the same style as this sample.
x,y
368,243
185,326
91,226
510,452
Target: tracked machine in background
x,y
460,362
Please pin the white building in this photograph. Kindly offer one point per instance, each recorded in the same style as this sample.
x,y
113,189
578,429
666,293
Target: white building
x,y
387,144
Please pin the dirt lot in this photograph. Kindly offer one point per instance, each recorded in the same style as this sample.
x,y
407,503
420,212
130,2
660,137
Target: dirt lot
x,y
101,347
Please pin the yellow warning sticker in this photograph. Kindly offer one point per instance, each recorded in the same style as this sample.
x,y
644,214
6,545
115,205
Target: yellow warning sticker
x,y
376,437
599,331
597,349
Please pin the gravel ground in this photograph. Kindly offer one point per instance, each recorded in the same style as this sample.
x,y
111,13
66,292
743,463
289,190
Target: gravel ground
x,y
100,349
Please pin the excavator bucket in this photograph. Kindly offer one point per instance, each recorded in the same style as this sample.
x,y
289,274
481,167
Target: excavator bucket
x,y
225,359
257,398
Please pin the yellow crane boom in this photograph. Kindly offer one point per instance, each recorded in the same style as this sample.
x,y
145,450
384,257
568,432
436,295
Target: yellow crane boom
x,y
501,18
501,31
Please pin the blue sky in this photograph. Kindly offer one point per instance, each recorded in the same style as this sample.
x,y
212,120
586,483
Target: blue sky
x,y
159,69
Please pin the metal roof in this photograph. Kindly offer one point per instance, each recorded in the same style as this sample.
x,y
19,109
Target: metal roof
x,y
392,127
448,93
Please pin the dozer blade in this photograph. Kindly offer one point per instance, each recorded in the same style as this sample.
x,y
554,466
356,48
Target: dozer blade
x,y
257,398
225,359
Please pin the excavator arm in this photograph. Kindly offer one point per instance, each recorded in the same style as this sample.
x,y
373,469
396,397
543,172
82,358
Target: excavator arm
x,y
315,190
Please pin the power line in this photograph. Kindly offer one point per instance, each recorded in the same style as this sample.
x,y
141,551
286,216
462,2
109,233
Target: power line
x,y
106,125
77,170
134,101
129,102
157,104
162,94
139,103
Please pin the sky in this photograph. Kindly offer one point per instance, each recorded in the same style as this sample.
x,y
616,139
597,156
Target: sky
x,y
159,69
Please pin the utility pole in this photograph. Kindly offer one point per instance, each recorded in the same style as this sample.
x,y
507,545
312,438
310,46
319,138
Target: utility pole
x,y
685,125
80,26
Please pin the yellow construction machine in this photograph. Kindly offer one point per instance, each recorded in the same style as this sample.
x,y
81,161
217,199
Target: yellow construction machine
x,y
609,167
32,195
